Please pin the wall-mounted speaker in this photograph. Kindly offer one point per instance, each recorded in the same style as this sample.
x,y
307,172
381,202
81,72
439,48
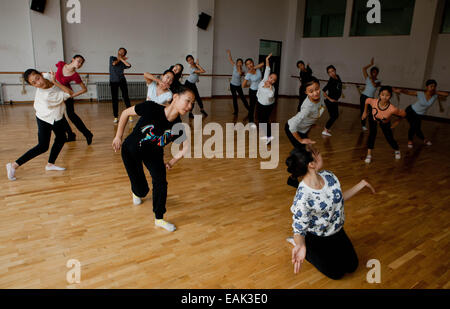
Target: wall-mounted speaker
x,y
203,21
38,5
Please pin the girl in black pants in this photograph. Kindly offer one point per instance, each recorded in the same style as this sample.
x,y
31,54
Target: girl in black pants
x,y
318,217
192,79
334,88
381,112
117,80
235,83
415,112
158,126
49,106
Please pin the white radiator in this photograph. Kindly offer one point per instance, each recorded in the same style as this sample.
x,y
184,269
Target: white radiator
x,y
136,91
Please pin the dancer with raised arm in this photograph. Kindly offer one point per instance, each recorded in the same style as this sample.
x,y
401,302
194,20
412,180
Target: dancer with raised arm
x,y
117,80
49,106
65,74
177,69
252,80
372,83
235,83
381,112
266,98
318,216
157,127
159,89
195,71
415,112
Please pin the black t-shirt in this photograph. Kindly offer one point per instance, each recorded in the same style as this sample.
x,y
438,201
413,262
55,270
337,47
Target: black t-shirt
x,y
305,76
116,71
334,88
153,130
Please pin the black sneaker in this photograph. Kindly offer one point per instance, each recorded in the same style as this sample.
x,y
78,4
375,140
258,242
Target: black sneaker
x,y
71,137
293,182
89,138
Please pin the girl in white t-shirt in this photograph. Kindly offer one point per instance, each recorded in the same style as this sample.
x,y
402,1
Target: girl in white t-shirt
x,y
49,106
159,89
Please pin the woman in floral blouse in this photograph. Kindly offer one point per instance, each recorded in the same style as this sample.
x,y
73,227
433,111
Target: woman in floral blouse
x,y
318,216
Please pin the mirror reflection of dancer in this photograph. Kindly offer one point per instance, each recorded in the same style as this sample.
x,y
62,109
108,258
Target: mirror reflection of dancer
x,y
49,106
318,217
334,88
305,75
252,80
415,111
192,79
372,83
65,74
381,113
117,80
159,89
235,83
157,127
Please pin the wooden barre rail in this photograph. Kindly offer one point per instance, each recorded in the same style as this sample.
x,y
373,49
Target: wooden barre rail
x,y
212,75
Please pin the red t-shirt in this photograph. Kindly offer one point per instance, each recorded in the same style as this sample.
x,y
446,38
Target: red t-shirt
x,y
65,80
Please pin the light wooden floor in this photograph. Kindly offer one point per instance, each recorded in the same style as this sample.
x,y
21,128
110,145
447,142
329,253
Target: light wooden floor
x,y
232,217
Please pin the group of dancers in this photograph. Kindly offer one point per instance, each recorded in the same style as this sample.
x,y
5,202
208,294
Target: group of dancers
x,y
318,207
318,213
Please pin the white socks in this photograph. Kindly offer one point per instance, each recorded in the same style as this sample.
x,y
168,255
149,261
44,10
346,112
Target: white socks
x,y
10,171
368,159
136,200
165,225
326,133
54,168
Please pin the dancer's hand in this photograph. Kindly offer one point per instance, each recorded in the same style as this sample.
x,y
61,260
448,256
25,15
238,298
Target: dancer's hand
x,y
364,116
171,163
298,256
372,61
368,185
116,144
307,141
52,75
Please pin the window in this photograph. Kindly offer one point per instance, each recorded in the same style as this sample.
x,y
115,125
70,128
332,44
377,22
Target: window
x,y
324,18
445,28
396,18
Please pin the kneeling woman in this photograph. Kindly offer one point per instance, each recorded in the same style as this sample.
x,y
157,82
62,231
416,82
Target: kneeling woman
x,y
158,126
318,217
381,111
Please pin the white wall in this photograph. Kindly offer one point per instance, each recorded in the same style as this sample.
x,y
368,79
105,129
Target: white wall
x,y
158,33
239,25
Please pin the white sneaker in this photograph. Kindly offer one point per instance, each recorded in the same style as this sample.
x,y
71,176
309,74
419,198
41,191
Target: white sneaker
x,y
428,143
397,155
165,225
368,159
410,146
10,171
326,133
291,241
253,126
136,200
270,139
116,120
364,128
54,168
